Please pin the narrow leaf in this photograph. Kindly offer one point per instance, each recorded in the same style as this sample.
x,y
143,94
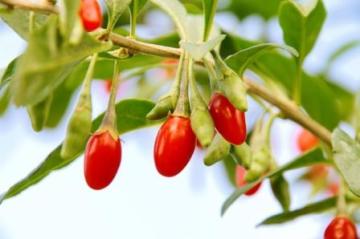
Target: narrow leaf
x,y
312,208
115,10
209,14
346,156
244,58
280,189
312,157
47,62
301,24
130,116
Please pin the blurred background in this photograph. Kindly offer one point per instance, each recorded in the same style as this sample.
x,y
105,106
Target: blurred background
x,y
140,203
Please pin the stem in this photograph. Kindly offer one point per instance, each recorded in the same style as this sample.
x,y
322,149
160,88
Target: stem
x,y
286,106
133,17
297,83
89,73
31,21
42,6
182,106
109,121
341,202
268,125
211,20
212,75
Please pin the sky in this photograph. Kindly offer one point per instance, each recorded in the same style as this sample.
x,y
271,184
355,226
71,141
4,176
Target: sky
x,y
140,203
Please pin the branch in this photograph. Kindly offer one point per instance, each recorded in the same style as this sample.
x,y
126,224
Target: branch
x,y
288,107
40,6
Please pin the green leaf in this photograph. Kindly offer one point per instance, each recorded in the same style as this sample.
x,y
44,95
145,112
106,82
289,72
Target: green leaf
x,y
244,8
62,95
244,58
199,50
135,7
309,158
340,52
209,14
130,116
69,16
346,156
18,20
229,165
8,74
4,100
301,24
115,10
280,189
312,208
47,62
318,99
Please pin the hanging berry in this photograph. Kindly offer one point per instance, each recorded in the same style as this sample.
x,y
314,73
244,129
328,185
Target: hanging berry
x,y
229,121
90,14
102,159
103,150
174,145
341,227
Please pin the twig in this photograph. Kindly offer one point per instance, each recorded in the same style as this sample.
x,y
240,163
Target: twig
x,y
288,107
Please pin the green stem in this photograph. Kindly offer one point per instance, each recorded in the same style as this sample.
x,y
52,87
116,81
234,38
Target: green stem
x,y
182,106
109,120
133,19
212,75
31,21
269,123
89,73
297,83
341,202
211,20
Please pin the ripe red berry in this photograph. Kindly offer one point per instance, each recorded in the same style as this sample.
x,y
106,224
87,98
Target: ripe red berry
x,y
306,140
102,159
229,121
174,145
90,14
341,227
240,180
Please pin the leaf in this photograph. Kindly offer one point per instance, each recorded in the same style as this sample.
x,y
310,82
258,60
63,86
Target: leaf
x,y
346,156
301,24
47,62
18,20
340,52
280,189
244,8
4,100
115,10
62,95
309,158
199,50
8,74
229,165
136,6
312,208
318,99
244,58
130,116
209,14
177,13
68,16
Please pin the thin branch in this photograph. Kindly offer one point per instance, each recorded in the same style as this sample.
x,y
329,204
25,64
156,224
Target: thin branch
x,y
40,6
288,107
